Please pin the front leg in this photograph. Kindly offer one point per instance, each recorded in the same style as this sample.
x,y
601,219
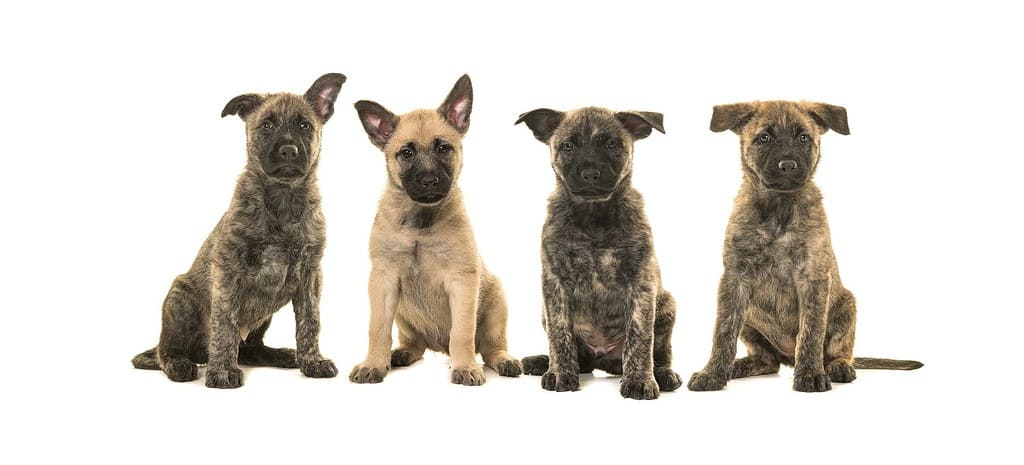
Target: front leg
x,y
809,369
564,366
638,351
306,303
733,298
383,290
463,299
222,369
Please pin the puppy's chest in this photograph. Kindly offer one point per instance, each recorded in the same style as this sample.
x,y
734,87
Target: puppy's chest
x,y
765,250
270,267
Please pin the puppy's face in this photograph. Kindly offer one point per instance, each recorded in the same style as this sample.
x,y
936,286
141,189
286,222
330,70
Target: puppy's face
x,y
591,148
423,148
779,140
284,129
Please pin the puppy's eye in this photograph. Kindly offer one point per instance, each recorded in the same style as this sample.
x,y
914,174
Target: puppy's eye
x,y
406,153
568,146
764,138
444,149
613,143
305,126
267,126
804,139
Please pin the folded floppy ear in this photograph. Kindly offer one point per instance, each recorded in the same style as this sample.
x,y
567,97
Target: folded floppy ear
x,y
828,117
378,122
456,108
322,94
733,116
640,123
242,105
542,122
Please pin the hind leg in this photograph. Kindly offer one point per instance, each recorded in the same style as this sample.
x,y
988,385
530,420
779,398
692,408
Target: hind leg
x,y
842,320
181,333
252,352
410,346
664,321
762,357
537,365
490,332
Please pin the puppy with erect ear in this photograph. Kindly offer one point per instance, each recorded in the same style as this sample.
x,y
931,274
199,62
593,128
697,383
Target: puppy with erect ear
x,y
780,292
426,274
264,252
604,305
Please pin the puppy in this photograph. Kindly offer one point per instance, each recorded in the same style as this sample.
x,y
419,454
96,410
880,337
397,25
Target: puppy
x,y
604,306
426,274
780,292
264,252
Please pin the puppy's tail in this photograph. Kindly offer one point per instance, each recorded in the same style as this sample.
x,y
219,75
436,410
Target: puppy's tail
x,y
867,363
146,360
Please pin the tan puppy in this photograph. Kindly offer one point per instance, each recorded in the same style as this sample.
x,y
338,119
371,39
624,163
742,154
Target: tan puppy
x,y
426,273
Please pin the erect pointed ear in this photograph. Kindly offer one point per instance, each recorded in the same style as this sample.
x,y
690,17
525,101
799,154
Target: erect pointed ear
x,y
828,116
456,108
542,122
640,123
242,105
322,94
733,116
378,122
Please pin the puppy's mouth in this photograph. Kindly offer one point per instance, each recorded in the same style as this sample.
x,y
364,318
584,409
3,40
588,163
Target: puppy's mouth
x,y
593,194
287,172
428,199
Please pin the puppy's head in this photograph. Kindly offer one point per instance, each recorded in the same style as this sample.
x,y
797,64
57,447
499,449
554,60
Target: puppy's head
x,y
779,140
423,148
591,148
284,129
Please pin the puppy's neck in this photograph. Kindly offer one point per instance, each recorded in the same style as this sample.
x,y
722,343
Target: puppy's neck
x,y
776,209
280,202
617,210
406,213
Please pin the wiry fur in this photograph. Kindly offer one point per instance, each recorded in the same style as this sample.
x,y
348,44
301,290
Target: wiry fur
x,y
264,252
426,273
604,304
781,292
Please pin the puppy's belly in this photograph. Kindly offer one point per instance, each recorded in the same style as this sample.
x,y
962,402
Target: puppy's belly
x,y
423,308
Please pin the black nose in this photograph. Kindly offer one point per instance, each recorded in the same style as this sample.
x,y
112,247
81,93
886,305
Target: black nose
x,y
787,166
590,174
429,181
288,152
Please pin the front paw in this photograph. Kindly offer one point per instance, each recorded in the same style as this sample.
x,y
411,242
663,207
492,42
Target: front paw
x,y
667,379
639,389
811,382
364,373
468,376
704,381
560,382
223,378
322,368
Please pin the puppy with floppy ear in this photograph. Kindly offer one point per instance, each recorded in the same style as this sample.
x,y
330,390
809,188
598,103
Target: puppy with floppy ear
x,y
781,292
604,305
264,252
426,274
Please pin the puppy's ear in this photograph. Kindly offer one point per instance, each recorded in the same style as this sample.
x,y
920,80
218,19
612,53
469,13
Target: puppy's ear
x,y
733,116
542,122
456,108
828,116
322,94
640,123
242,105
378,122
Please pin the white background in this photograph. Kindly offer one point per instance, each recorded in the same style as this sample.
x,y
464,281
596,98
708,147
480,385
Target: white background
x,y
117,165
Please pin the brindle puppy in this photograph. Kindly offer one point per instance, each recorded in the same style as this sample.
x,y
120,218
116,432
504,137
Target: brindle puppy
x,y
264,252
781,292
604,306
426,274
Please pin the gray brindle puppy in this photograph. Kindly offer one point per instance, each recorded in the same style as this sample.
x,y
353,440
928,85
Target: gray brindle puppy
x,y
780,292
264,252
604,306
